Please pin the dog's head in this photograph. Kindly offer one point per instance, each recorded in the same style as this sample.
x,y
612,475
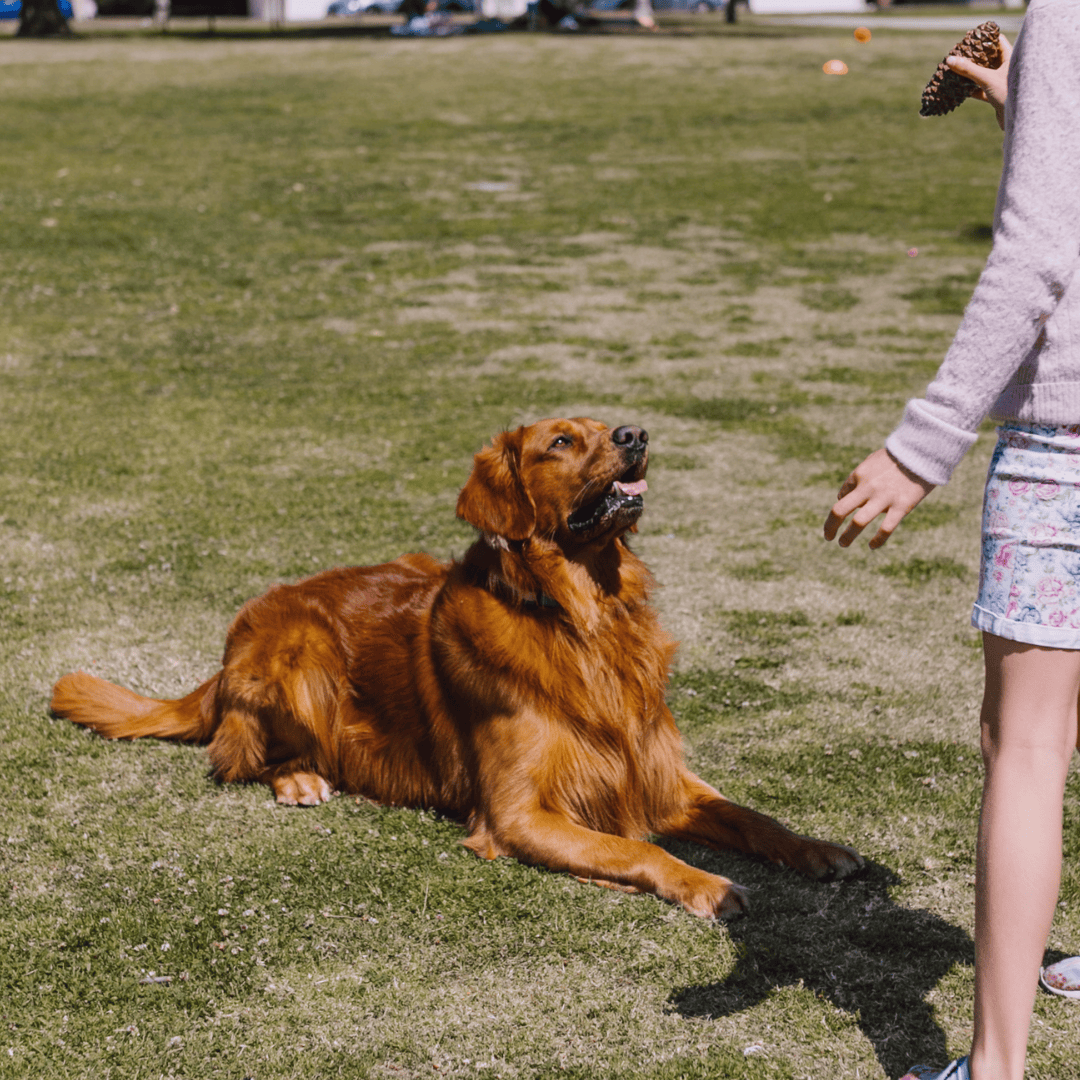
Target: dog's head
x,y
576,482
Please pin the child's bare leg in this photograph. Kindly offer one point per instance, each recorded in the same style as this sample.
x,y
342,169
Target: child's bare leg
x,y
1029,731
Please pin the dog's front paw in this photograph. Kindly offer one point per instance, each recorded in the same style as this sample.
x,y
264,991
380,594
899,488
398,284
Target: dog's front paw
x,y
824,861
715,898
735,901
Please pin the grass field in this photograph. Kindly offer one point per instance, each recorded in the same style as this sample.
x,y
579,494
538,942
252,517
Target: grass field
x,y
261,299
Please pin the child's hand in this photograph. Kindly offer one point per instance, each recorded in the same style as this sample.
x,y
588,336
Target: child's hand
x,y
879,485
993,83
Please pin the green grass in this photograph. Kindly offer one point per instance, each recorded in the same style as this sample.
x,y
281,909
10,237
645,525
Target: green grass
x,y
256,315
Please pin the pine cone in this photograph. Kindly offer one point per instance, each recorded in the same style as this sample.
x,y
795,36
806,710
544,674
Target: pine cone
x,y
946,89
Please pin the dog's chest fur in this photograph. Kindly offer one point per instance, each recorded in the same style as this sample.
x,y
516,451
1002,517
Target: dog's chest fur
x,y
580,708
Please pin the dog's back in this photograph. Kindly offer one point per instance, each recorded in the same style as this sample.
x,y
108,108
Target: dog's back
x,y
319,678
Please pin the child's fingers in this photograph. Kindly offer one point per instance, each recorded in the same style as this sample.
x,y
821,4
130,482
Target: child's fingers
x,y
895,510
848,486
849,499
980,76
866,510
850,534
832,523
854,493
859,520
992,83
887,527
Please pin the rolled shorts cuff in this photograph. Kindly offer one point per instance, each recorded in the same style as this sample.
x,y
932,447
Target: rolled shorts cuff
x,y
1049,637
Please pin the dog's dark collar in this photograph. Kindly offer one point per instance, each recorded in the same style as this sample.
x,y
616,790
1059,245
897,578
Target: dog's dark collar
x,y
540,600
488,579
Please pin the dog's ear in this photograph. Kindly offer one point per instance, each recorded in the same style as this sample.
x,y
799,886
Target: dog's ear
x,y
494,500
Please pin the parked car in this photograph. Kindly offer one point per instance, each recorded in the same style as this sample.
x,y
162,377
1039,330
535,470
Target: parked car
x,y
662,5
142,9
393,7
689,5
11,9
363,7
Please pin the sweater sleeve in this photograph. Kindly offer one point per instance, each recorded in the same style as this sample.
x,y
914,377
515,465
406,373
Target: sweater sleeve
x,y
1034,256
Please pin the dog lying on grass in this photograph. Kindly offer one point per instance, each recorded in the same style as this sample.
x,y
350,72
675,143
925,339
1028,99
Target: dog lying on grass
x,y
520,690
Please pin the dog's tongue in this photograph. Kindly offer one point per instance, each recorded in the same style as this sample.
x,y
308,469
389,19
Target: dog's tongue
x,y
638,487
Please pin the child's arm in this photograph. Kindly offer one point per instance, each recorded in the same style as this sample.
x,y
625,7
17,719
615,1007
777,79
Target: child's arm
x,y
1007,324
879,485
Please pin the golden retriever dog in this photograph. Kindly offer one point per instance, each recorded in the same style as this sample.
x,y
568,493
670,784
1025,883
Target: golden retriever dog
x,y
519,690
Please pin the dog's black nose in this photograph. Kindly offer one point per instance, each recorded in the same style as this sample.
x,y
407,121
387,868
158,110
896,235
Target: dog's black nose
x,y
633,438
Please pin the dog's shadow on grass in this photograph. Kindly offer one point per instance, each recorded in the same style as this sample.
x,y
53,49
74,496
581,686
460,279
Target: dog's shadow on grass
x,y
846,941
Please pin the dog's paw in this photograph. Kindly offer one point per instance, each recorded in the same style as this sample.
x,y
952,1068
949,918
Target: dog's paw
x,y
735,902
824,861
302,789
716,898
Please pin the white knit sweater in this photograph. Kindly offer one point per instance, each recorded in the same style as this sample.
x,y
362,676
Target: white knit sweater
x,y
1016,355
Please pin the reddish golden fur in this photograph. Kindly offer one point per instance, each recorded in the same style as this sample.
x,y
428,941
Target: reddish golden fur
x,y
520,689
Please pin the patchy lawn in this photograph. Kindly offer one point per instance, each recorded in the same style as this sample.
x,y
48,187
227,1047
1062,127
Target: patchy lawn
x,y
261,299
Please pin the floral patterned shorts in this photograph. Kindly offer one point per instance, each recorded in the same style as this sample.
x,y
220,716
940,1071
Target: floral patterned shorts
x,y
1029,580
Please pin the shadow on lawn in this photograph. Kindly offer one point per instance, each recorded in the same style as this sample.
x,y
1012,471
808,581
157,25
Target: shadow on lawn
x,y
848,942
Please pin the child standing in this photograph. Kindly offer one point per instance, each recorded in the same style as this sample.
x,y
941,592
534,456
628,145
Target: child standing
x,y
1016,358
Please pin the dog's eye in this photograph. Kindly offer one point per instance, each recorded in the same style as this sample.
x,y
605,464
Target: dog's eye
x,y
561,440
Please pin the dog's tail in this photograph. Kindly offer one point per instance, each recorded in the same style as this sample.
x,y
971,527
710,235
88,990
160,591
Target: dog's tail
x,y
117,713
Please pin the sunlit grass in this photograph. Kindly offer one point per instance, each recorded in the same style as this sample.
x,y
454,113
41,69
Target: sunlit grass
x,y
261,299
